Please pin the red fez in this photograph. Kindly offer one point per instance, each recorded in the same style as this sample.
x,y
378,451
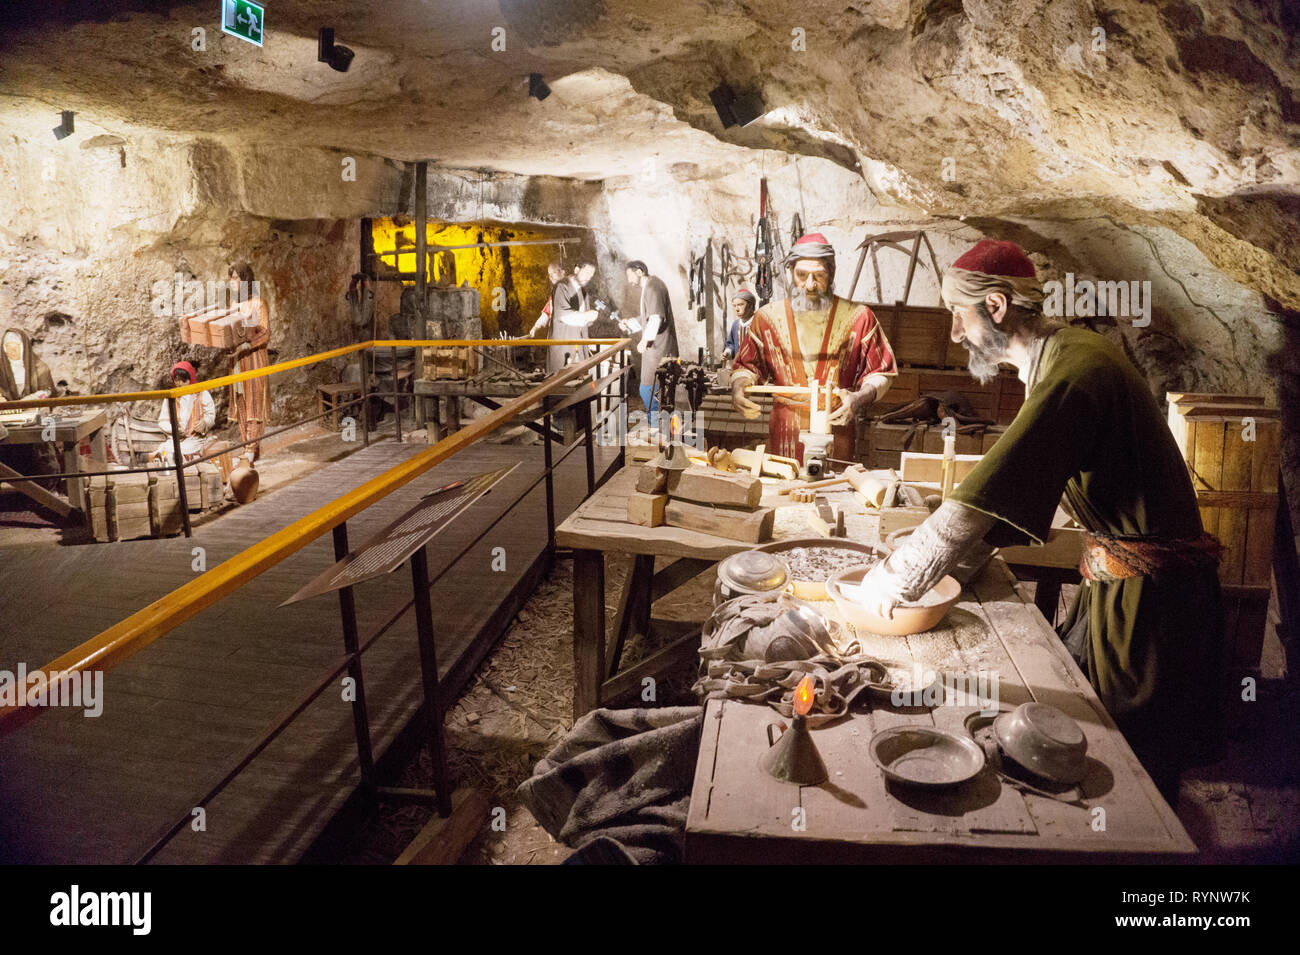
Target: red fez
x,y
187,368
994,257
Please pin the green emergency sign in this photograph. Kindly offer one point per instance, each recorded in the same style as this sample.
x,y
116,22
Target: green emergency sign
x,y
242,19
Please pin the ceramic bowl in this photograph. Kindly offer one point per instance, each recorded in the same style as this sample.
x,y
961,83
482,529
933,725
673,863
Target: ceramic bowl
x,y
1044,741
925,756
908,618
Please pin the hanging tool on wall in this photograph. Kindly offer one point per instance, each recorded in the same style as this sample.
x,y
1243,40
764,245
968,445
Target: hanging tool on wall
x,y
763,249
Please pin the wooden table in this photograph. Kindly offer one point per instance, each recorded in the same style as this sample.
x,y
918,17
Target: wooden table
x,y
600,526
739,813
68,434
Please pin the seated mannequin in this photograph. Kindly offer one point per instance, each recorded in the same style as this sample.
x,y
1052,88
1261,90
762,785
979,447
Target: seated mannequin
x,y
22,374
195,414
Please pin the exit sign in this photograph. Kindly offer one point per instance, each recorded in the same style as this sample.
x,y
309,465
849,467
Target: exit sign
x,y
242,19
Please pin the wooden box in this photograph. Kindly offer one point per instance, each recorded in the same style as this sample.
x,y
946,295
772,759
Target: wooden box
x,y
203,487
229,331
450,363
1232,446
920,335
129,506
997,401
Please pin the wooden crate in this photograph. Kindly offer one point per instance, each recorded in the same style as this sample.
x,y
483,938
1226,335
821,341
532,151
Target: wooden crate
x,y
1235,479
456,364
1245,619
130,506
920,335
997,401
203,487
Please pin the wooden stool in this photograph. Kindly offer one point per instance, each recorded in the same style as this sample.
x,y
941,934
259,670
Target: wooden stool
x,y
329,398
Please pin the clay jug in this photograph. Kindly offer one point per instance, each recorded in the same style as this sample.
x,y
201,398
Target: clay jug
x,y
244,481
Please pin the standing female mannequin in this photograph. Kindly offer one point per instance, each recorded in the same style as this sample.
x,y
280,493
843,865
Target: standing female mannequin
x,y
250,399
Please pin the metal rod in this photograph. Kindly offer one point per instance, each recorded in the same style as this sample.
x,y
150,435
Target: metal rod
x,y
360,715
429,673
550,483
422,276
481,245
397,401
365,398
179,465
585,413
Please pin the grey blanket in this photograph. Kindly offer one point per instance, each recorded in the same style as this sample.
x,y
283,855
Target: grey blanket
x,y
622,774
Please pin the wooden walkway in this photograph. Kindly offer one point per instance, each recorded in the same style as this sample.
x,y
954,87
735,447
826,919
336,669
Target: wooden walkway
x,y
99,790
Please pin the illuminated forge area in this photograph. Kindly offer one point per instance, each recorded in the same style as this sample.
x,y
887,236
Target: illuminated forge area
x,y
1151,145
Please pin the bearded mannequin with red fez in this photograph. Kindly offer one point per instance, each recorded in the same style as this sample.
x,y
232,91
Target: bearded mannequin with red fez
x,y
1090,436
811,339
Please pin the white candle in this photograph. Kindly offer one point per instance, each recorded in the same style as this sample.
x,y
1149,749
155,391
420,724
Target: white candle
x,y
819,417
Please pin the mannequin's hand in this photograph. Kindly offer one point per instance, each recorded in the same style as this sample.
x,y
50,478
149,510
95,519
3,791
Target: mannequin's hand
x,y
741,403
851,402
877,592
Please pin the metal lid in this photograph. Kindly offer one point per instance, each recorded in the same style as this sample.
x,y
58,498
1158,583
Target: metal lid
x,y
753,570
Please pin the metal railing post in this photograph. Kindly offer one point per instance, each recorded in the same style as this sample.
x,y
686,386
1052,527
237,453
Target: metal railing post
x,y
360,715
365,398
429,673
179,466
550,485
397,401
622,408
591,451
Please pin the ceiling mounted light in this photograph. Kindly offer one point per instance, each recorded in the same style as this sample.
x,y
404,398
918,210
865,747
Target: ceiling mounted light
x,y
65,127
736,110
537,87
338,57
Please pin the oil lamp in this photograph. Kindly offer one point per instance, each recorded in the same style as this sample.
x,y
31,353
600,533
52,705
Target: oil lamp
x,y
794,757
676,456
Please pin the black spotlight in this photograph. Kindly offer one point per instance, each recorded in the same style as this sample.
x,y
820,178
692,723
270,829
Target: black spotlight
x,y
66,127
339,57
723,98
736,110
537,87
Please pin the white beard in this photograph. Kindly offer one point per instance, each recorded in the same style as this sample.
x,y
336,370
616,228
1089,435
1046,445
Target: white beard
x,y
802,300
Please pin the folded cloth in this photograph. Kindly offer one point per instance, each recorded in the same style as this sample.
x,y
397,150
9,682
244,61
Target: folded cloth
x,y
621,774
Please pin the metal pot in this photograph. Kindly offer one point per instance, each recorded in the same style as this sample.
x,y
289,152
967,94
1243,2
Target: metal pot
x,y
749,572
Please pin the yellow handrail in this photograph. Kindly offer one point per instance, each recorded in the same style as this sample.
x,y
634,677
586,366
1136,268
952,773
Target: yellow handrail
x,y
118,397
137,631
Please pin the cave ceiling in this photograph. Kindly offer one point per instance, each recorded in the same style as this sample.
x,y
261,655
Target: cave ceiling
x,y
1176,113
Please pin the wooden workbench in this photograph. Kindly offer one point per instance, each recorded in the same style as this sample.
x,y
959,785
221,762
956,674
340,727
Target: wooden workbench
x,y
600,527
739,813
69,431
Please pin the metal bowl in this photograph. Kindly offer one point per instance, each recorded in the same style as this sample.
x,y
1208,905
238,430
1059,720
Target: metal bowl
x,y
1044,741
925,756
749,572
908,618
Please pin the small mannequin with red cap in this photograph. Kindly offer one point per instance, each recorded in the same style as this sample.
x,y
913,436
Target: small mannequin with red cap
x,y
810,339
196,414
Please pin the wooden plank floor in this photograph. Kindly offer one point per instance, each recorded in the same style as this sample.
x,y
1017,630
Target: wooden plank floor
x,y
99,790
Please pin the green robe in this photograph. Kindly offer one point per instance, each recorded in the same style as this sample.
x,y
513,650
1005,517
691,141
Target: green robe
x,y
1090,427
